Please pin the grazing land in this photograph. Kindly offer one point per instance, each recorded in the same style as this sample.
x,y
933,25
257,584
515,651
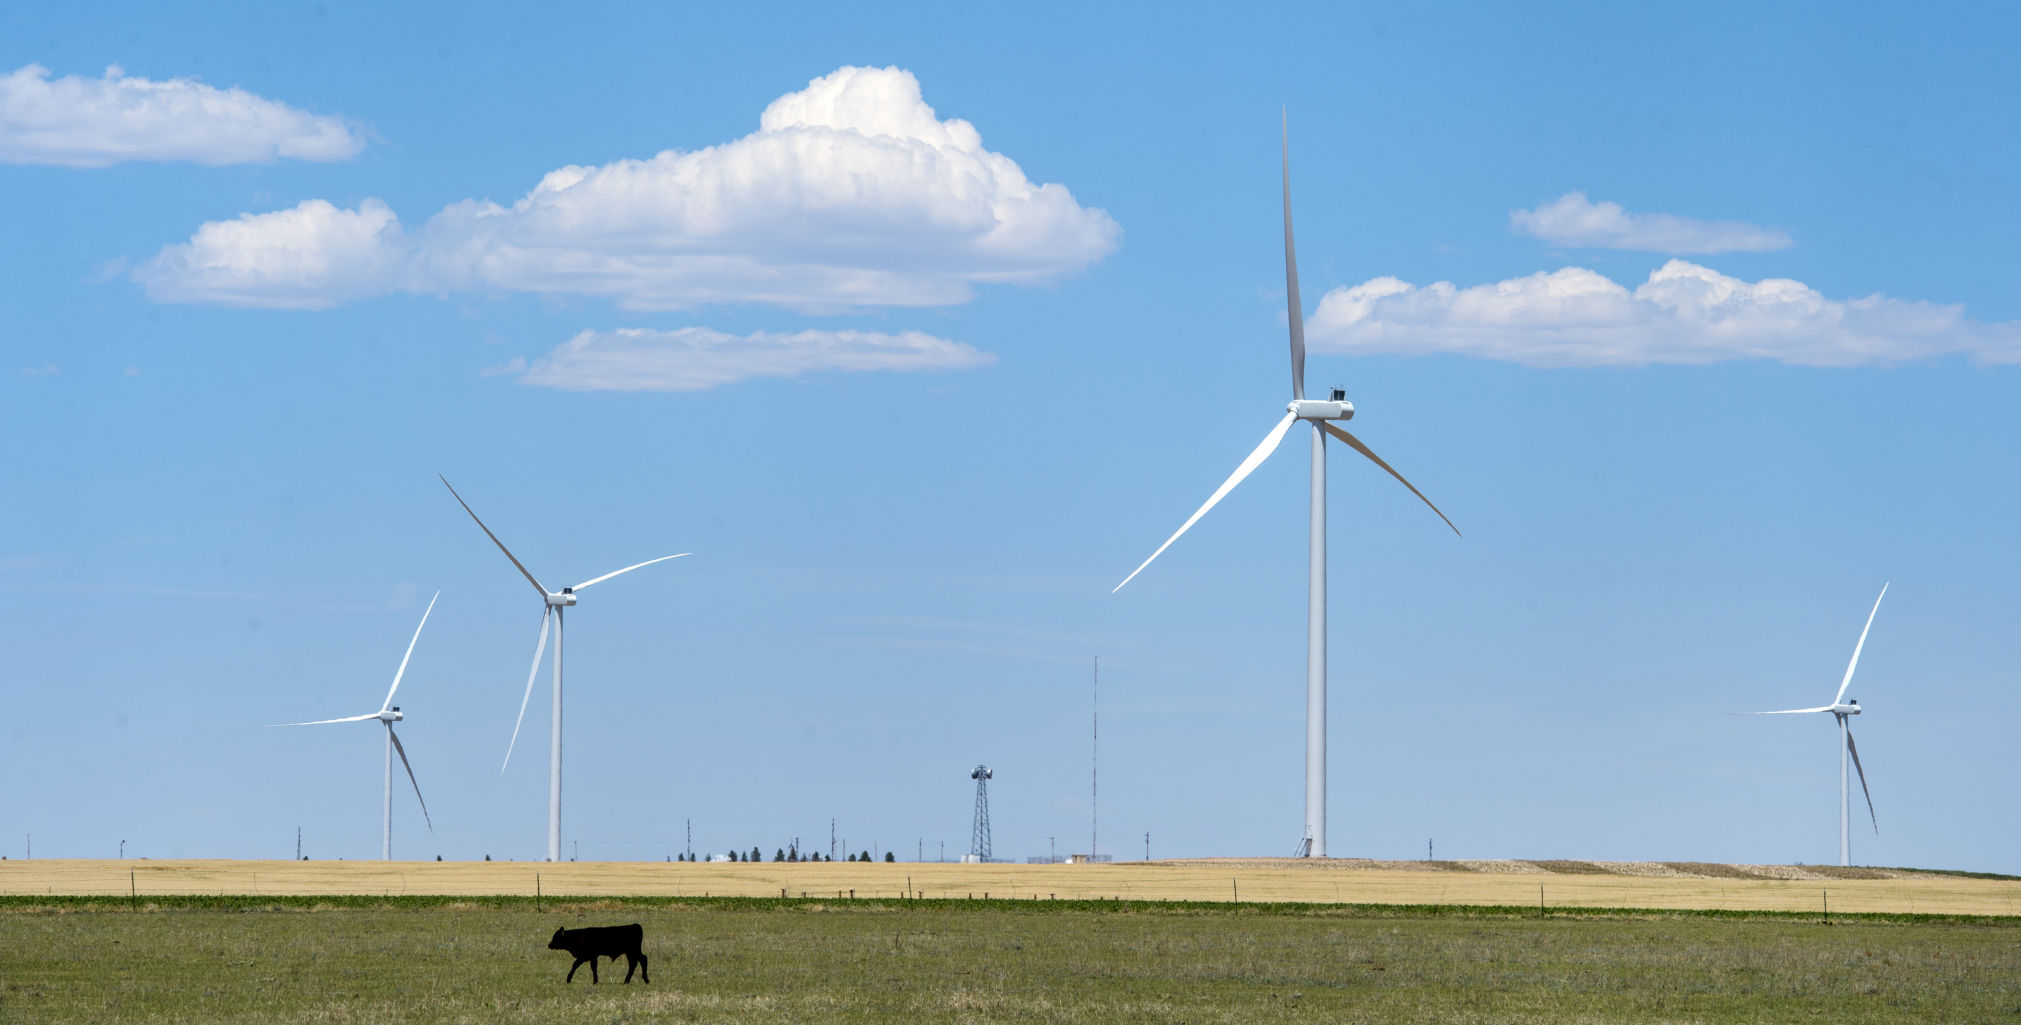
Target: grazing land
x,y
174,960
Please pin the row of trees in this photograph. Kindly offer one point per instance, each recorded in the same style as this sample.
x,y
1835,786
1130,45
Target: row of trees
x,y
783,854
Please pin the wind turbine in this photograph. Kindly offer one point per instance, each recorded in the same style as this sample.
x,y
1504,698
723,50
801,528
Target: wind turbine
x,y
388,714
1321,414
552,602
1841,709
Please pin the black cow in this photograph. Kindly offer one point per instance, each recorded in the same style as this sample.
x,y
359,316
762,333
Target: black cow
x,y
609,941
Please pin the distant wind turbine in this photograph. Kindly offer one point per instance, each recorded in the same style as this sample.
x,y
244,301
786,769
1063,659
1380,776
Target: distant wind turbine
x,y
388,714
1320,413
552,602
1841,709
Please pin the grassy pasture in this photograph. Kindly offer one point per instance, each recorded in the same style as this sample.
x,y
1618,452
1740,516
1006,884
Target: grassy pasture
x,y
1343,881
449,960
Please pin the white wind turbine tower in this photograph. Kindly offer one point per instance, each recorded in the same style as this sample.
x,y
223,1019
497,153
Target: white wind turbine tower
x,y
388,714
1321,414
1842,709
552,602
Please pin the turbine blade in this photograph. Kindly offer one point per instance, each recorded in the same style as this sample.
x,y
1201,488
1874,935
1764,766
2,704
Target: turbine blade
x,y
1787,711
410,776
1355,443
494,538
410,653
1254,460
546,614
1291,302
322,722
1854,749
1850,666
628,569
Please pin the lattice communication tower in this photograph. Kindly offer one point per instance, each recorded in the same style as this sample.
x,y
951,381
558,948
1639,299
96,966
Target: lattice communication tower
x,y
978,844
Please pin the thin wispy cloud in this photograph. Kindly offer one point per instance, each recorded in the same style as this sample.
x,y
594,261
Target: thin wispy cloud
x,y
852,193
1683,313
956,646
158,591
75,121
1574,221
698,358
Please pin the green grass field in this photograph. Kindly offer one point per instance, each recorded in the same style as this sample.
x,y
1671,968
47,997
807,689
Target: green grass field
x,y
202,960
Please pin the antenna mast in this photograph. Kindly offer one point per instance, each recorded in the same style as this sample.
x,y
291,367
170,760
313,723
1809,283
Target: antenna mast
x,y
1095,764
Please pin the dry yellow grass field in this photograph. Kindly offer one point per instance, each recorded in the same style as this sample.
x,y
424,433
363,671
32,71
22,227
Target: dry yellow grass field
x,y
1564,884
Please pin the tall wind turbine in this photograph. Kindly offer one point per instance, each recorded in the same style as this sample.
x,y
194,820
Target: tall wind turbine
x,y
1321,414
1842,708
388,714
552,602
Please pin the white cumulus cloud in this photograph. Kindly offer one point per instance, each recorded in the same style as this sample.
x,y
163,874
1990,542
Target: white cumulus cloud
x,y
852,193
92,122
1684,313
1574,220
698,358
307,257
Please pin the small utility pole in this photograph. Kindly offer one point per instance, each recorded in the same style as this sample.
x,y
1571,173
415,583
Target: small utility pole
x,y
1428,850
122,850
691,839
298,843
831,839
921,855
1147,845
1095,762
943,850
1052,851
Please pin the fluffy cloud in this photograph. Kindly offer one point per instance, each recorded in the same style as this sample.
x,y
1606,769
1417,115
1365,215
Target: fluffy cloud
x,y
92,122
1684,313
308,257
697,358
851,193
1574,220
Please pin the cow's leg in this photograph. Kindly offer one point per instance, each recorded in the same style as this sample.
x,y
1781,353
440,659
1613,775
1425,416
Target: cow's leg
x,y
631,965
592,970
643,976
576,965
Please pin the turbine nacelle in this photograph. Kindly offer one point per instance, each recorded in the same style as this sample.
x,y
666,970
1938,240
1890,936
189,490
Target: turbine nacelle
x,y
565,598
390,715
1850,706
1336,408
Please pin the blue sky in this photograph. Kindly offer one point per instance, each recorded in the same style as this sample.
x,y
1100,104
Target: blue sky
x,y
1680,494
